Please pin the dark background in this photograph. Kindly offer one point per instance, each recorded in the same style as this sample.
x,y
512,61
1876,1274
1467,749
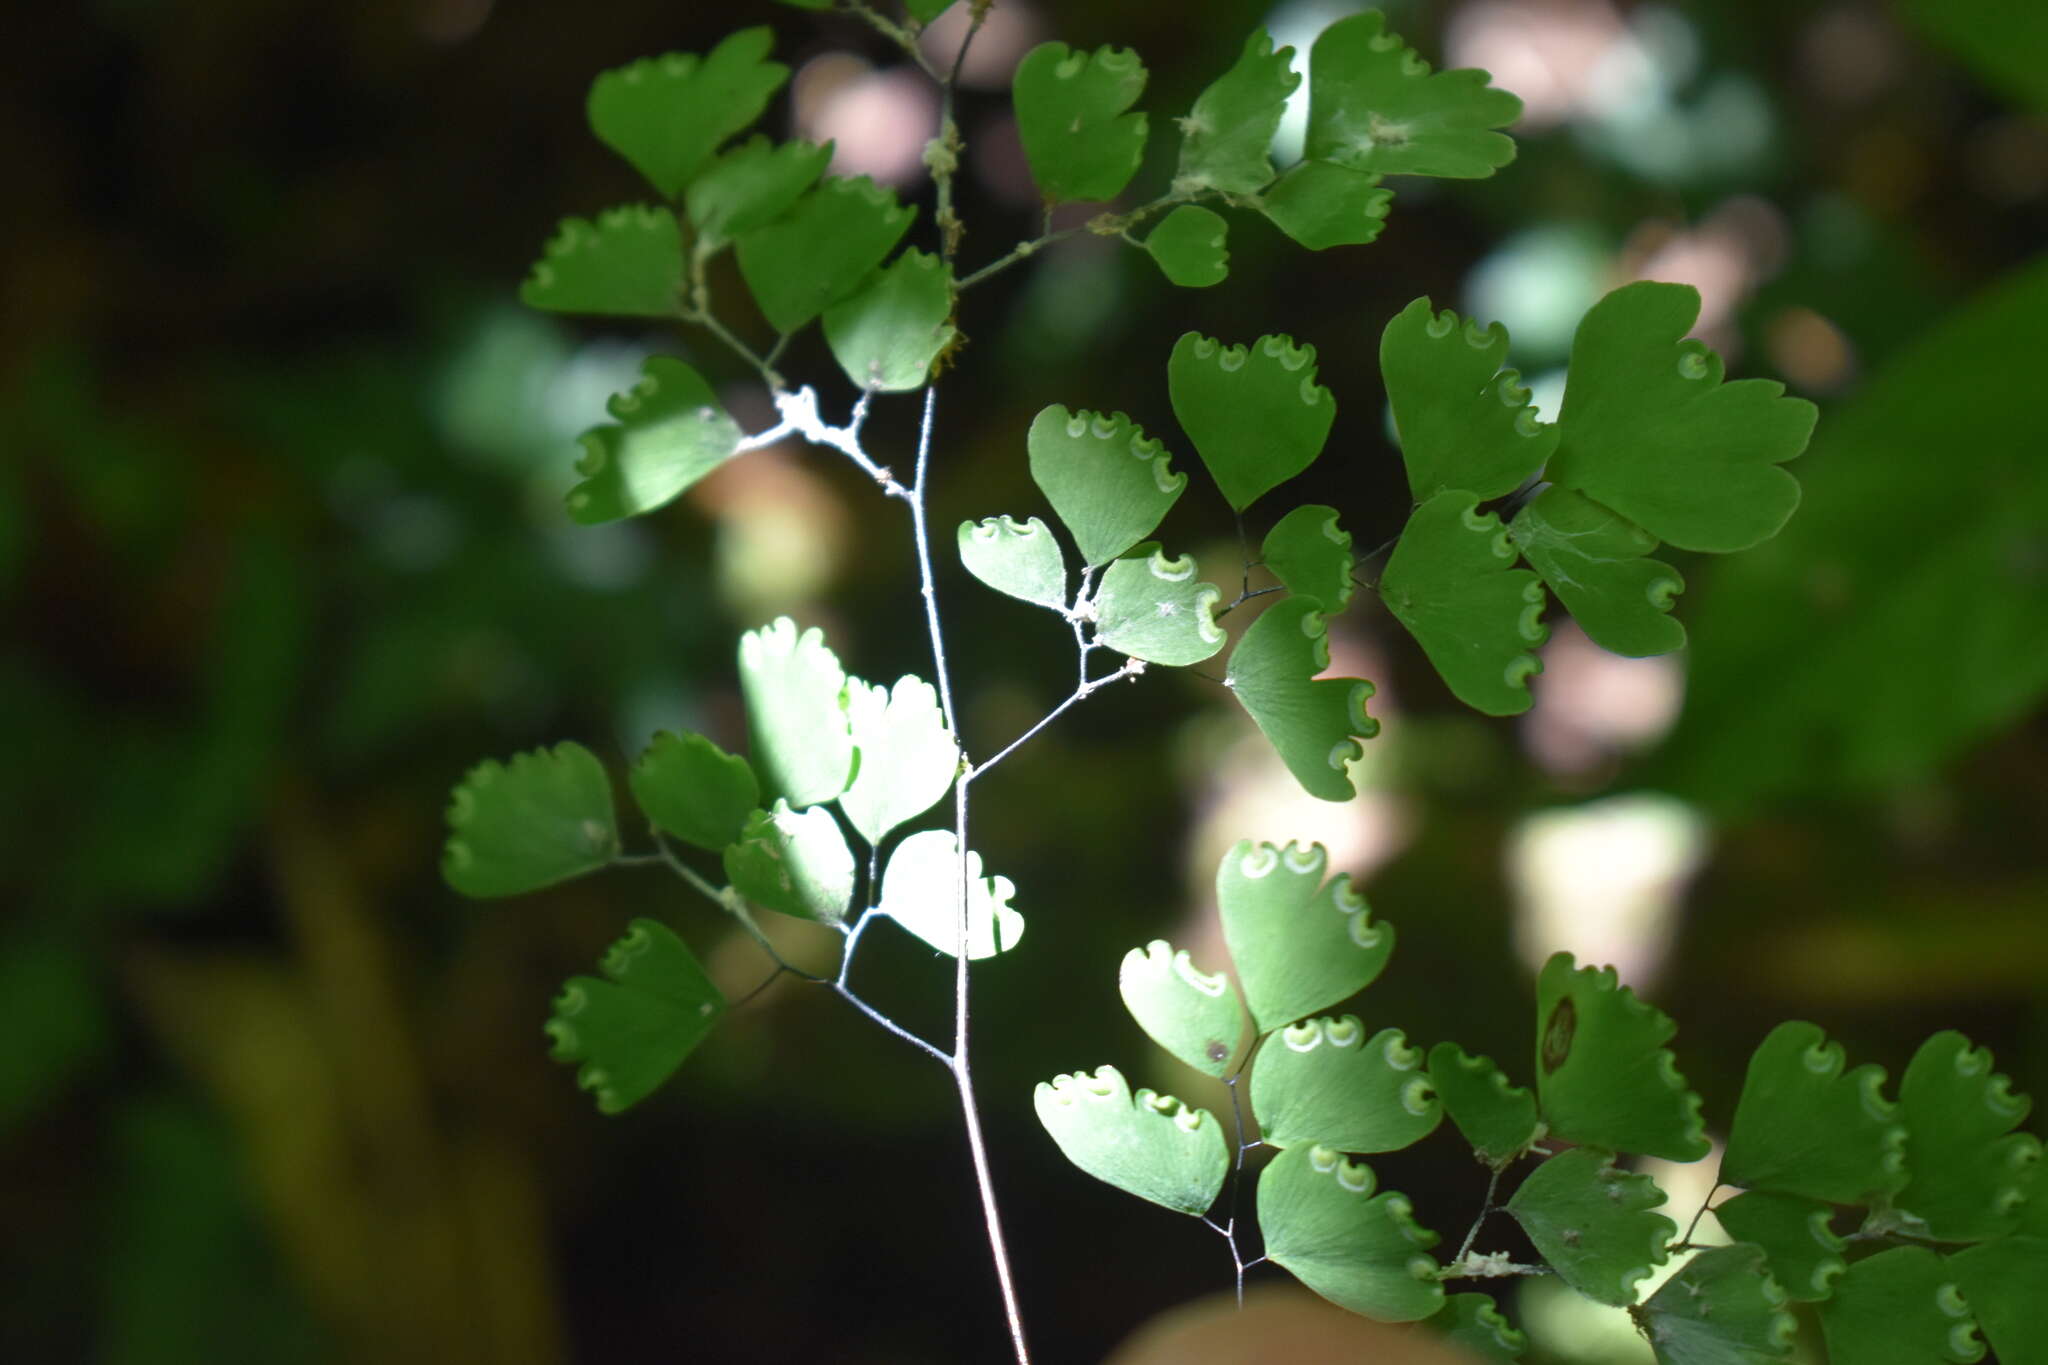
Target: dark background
x,y
282,552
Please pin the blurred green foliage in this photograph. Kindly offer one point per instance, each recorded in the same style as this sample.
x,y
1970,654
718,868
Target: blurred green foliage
x,y
282,548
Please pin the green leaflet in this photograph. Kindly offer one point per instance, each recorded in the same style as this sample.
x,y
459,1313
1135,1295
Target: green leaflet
x,y
1592,558
749,185
669,431
628,263
1185,1010
545,817
1110,484
1603,1074
1968,1172
1366,1253
1146,1144
1472,1321
1648,428
1593,1224
886,335
796,705
1188,244
2002,1281
1896,556
691,789
1804,1253
1452,583
667,115
1310,721
1900,1307
631,1032
921,892
1311,555
1323,1081
1464,421
1321,204
1802,1127
821,249
795,863
924,11
1300,944
1023,561
1721,1308
908,759
1070,114
1374,106
1226,136
1256,416
1496,1117
1151,608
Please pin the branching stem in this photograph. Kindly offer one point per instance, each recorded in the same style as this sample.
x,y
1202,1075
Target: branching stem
x,y
1131,669
1485,1209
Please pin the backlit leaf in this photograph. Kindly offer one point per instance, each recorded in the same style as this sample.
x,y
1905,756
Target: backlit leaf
x,y
632,1031
1070,114
1721,1308
1968,1172
1189,246
1473,1322
887,333
1021,560
795,690
1593,559
1603,1074
751,184
693,790
1464,421
1648,428
2002,1281
921,892
1185,1010
1301,944
1323,1080
1452,583
1256,415
1226,136
1498,1118
1146,1144
1804,1253
1310,721
1802,1127
908,759
1592,1222
667,115
1900,1307
1110,484
628,263
667,432
1374,106
1311,555
1363,1252
794,862
543,818
1151,608
1321,204
821,250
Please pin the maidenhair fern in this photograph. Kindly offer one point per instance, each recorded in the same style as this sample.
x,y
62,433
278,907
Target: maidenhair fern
x,y
1910,1223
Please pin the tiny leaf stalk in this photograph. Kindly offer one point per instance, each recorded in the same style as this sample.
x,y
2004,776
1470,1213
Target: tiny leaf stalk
x,y
1951,1225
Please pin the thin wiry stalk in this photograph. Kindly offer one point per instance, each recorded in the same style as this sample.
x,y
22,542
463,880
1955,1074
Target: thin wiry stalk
x,y
962,1067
